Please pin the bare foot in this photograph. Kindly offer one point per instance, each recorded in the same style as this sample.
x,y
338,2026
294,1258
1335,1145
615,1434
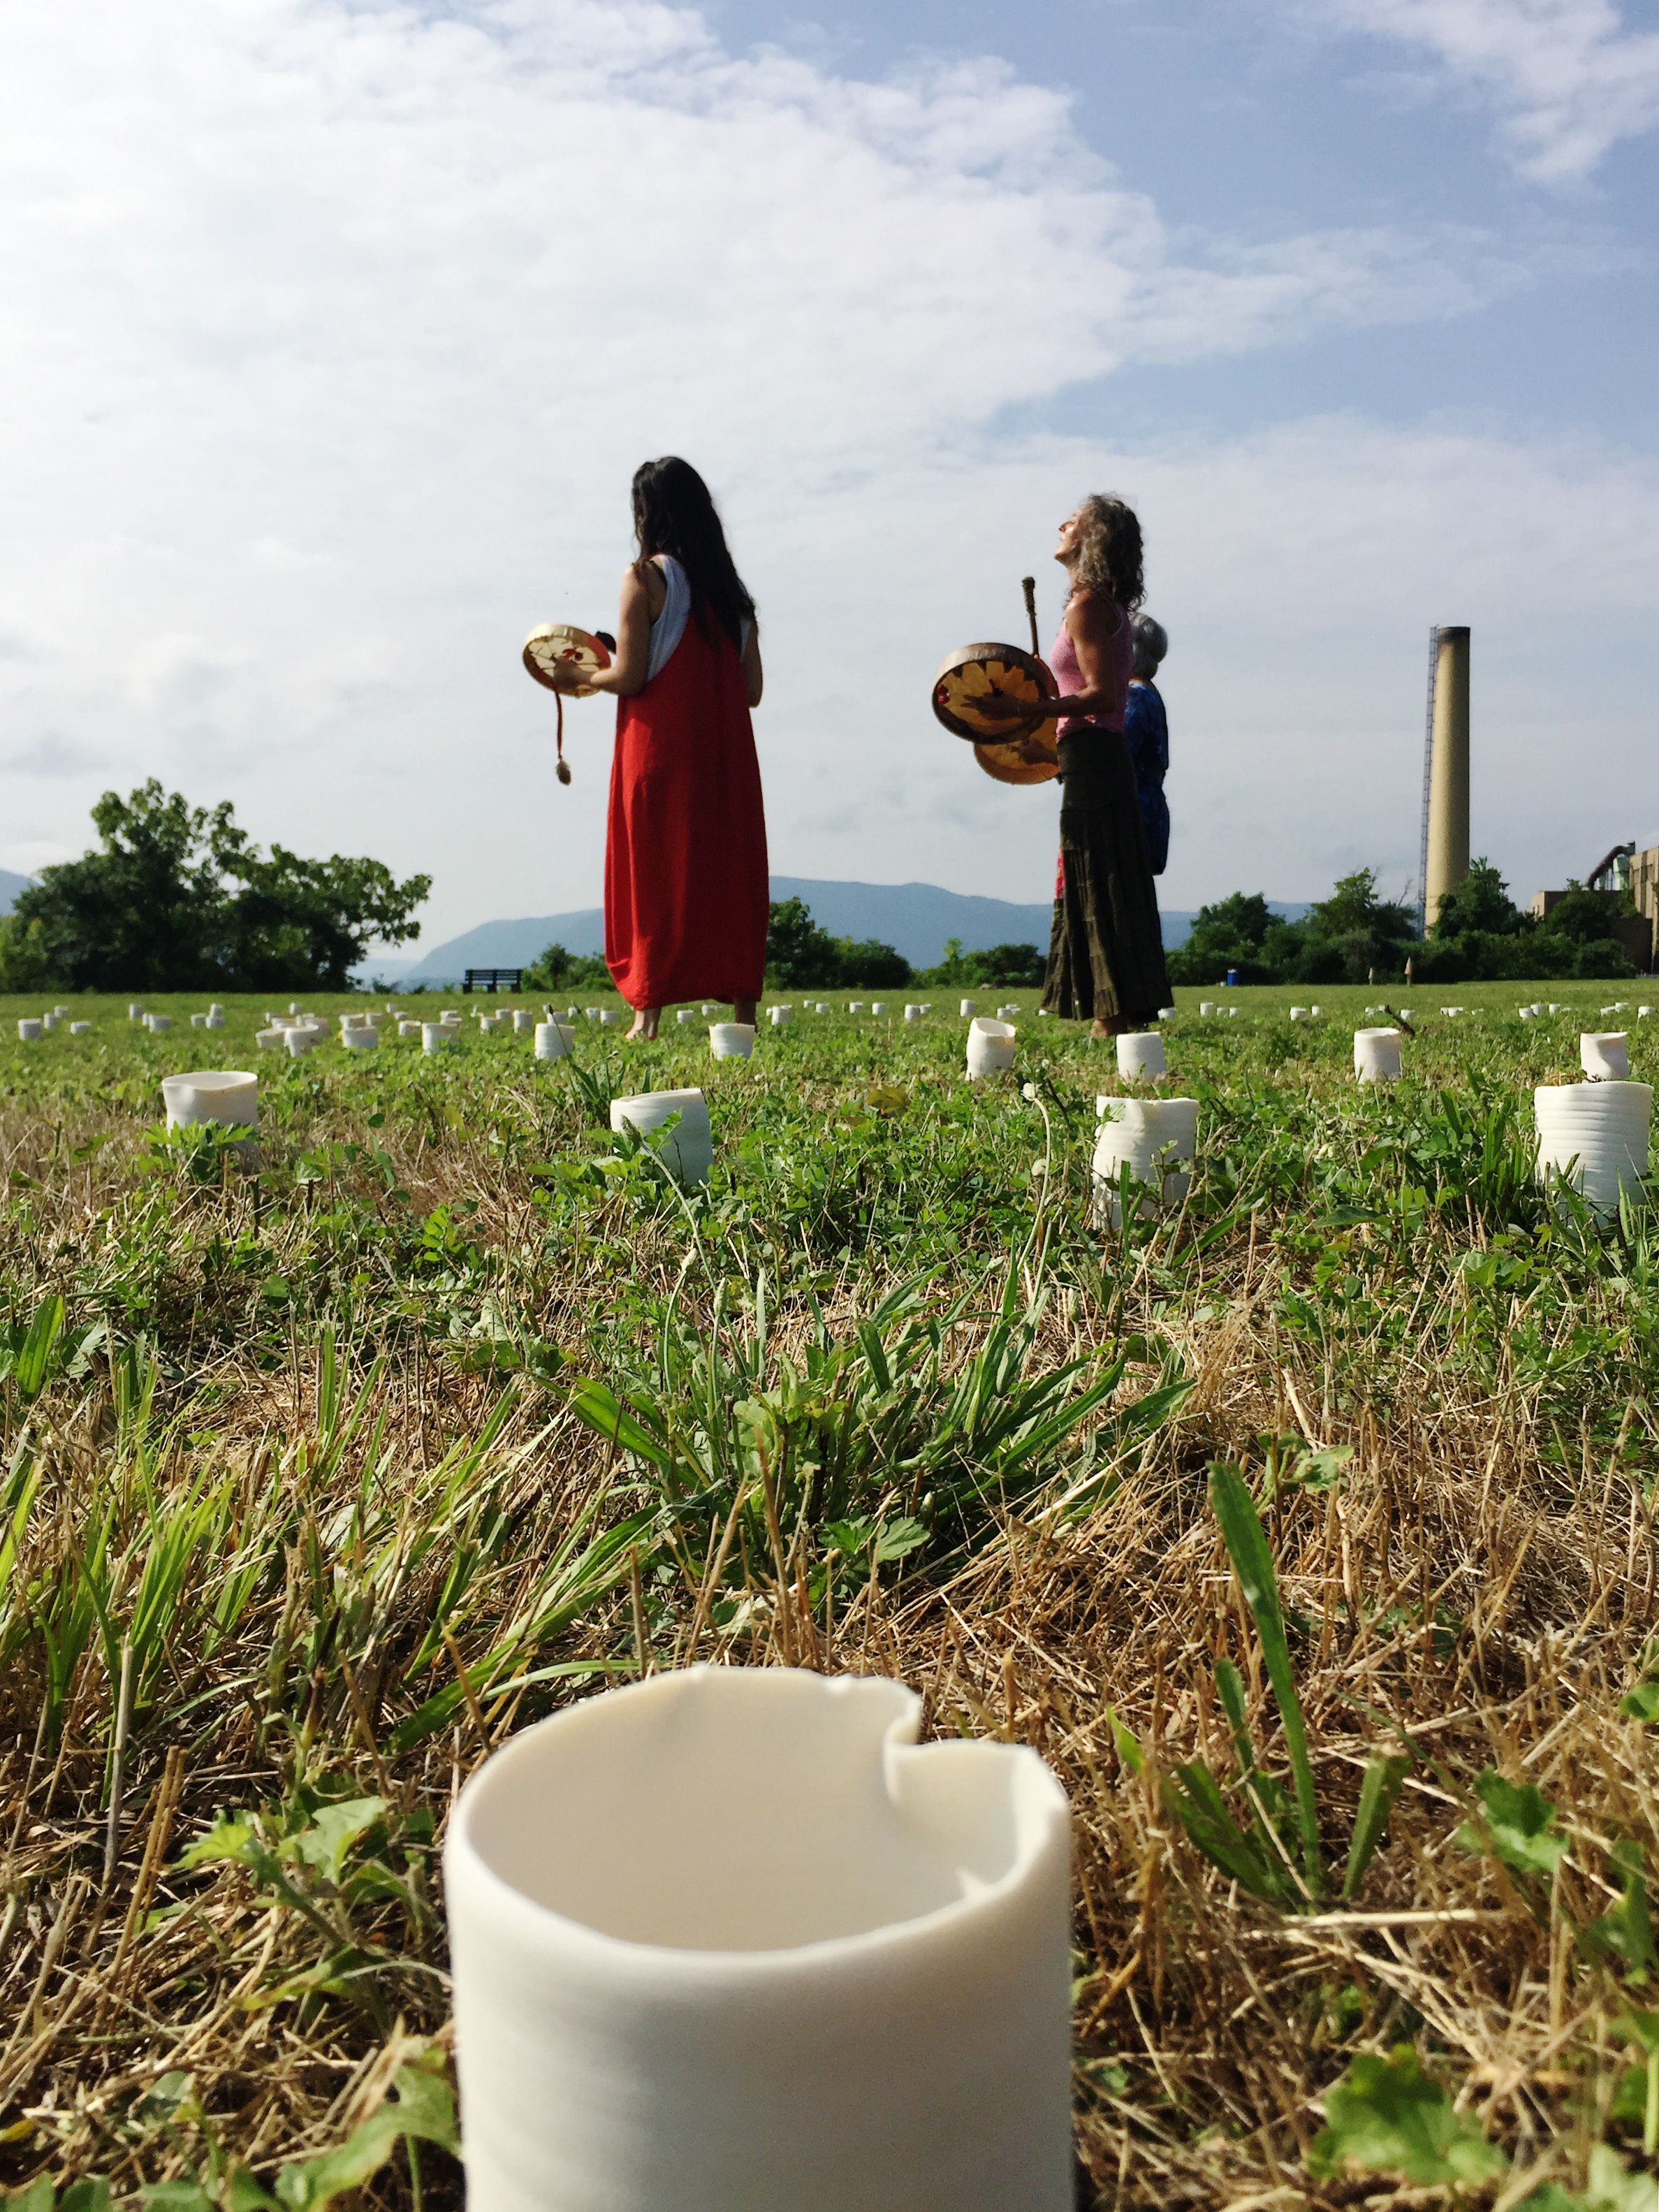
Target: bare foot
x,y
743,1010
644,1026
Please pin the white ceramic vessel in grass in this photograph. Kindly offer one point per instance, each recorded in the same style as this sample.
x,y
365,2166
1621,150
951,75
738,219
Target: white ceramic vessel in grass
x,y
1156,1140
553,1040
135,1011
362,1040
779,1017
686,1014
1140,1053
31,1028
1594,1136
730,1941
157,1025
1604,1055
732,1040
229,1097
80,1029
990,1047
1376,1055
687,1150
968,1009
435,1036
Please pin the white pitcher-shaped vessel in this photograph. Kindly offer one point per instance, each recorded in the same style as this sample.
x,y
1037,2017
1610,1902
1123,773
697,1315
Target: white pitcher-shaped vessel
x,y
1604,1055
990,1046
1376,1055
1139,1054
728,1940
1595,1136
687,1150
1156,1140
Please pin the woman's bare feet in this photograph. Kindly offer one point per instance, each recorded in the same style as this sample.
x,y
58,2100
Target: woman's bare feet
x,y
645,1025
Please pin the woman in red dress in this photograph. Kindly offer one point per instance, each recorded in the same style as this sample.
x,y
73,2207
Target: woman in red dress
x,y
686,886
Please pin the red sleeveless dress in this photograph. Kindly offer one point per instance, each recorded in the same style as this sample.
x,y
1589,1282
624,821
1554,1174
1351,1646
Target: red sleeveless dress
x,y
686,886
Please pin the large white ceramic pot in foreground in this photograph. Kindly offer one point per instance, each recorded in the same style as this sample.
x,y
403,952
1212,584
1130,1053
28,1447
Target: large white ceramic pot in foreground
x,y
728,1940
1595,1136
1156,1138
990,1046
1376,1055
227,1096
687,1150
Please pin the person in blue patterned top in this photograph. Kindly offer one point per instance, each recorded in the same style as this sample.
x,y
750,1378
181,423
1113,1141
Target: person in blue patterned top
x,y
1147,732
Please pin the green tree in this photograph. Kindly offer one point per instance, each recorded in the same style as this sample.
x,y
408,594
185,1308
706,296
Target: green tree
x,y
1232,933
1481,902
556,969
155,909
799,954
1003,967
873,964
23,963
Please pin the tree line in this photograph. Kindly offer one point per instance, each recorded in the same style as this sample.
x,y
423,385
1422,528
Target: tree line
x,y
1480,935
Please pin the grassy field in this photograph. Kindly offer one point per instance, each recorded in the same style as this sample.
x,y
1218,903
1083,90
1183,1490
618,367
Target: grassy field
x,y
317,1483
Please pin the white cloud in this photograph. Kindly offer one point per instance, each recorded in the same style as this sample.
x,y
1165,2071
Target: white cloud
x,y
1568,78
330,334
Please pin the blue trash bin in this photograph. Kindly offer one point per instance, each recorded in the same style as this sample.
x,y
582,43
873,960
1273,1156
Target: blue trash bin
x,y
1232,978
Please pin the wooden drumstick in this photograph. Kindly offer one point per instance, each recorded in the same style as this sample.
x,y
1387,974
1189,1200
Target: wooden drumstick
x,y
1028,585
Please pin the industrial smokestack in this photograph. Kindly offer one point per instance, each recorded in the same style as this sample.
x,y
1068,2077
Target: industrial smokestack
x,y
1446,847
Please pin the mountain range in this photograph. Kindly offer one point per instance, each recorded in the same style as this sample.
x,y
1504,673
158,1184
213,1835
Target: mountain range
x,y
10,887
917,919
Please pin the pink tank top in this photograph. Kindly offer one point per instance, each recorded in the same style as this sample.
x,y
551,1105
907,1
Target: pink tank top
x,y
1117,659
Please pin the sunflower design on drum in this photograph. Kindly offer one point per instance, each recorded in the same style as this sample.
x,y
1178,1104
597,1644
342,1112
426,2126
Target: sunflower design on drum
x,y
975,673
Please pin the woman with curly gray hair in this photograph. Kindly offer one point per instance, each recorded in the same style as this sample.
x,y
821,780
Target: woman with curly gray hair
x,y
1106,955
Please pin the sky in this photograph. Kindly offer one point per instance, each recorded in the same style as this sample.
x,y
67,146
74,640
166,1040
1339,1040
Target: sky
x,y
332,332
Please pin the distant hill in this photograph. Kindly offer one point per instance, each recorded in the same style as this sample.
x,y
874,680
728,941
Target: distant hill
x,y
10,887
916,918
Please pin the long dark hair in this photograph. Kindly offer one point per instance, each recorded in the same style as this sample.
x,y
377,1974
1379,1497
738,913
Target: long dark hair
x,y
674,513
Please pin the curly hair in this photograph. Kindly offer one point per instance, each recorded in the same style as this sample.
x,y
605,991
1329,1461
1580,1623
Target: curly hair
x,y
1108,559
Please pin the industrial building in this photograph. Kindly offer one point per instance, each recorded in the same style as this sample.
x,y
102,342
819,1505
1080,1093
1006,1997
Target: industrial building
x,y
1622,870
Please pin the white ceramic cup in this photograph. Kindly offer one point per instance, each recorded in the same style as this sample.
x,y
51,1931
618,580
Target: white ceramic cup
x,y
156,1024
1140,1053
732,1040
135,1011
879,1006
435,1036
1156,1138
779,1017
686,1014
360,1040
912,1013
968,1009
409,1028
270,1040
1376,1055
730,1941
1206,1006
990,1047
31,1028
80,1029
1595,1136
229,1097
1604,1055
524,1022
553,1040
687,1151
299,1041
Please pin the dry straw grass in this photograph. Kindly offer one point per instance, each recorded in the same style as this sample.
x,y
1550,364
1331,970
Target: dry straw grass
x,y
1463,1585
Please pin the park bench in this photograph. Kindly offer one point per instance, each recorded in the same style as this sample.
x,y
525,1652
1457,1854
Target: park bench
x,y
492,979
